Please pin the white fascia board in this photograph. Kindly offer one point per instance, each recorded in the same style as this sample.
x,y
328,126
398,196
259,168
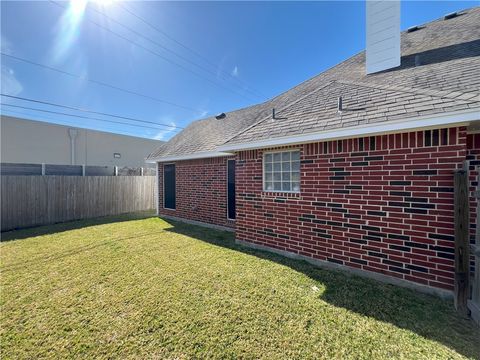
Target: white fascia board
x,y
199,155
422,122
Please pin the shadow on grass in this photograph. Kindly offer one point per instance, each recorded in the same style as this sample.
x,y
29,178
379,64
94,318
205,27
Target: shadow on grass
x,y
425,315
71,225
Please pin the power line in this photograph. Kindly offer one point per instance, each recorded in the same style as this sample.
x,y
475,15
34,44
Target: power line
x,y
102,13
98,82
207,61
88,111
79,116
9,112
157,54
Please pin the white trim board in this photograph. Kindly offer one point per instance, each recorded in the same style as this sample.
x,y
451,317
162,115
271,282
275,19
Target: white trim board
x,y
199,155
459,118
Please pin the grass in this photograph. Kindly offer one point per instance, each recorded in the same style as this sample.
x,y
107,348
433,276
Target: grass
x,y
146,288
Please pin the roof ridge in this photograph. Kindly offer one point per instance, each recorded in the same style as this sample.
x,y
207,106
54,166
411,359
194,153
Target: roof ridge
x,y
282,109
453,95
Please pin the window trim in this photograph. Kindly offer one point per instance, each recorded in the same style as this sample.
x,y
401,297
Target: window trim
x,y
263,172
163,180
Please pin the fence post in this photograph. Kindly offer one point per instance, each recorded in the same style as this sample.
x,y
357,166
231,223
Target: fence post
x,y
462,257
83,170
43,169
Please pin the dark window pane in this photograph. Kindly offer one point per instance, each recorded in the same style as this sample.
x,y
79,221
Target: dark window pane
x,y
435,137
169,186
444,136
428,138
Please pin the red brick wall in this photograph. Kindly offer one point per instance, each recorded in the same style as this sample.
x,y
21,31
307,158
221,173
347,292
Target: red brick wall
x,y
201,191
382,204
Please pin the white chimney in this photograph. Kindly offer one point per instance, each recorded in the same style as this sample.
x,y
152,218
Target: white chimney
x,y
383,35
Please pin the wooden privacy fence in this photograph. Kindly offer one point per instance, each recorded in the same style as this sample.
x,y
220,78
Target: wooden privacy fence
x,y
474,302
39,200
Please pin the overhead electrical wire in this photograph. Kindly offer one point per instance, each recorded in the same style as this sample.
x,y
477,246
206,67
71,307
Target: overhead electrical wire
x,y
158,55
98,82
89,111
102,13
207,61
79,116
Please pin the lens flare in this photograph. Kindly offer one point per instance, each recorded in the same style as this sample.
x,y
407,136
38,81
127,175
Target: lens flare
x,y
68,29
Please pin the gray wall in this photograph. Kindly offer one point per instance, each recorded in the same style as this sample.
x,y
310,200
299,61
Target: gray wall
x,y
35,142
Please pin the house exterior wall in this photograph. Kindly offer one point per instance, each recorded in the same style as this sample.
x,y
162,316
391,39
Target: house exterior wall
x,y
384,206
36,142
201,191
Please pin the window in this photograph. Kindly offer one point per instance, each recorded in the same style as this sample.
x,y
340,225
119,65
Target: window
x,y
281,171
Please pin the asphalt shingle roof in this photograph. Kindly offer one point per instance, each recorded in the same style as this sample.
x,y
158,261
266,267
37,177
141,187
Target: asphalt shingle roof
x,y
447,79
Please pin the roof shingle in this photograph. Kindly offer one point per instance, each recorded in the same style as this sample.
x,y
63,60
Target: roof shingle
x,y
447,80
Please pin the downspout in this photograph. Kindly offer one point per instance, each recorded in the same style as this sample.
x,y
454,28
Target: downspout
x,y
72,133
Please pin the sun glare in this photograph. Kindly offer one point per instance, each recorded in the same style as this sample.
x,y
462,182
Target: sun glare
x,y
103,2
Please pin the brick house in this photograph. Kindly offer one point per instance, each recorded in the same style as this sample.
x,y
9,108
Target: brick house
x,y
351,171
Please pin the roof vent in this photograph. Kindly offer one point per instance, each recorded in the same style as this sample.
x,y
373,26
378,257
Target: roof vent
x,y
220,116
450,15
418,61
413,28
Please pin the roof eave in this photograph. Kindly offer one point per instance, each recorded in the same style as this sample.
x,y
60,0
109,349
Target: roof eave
x,y
199,155
448,119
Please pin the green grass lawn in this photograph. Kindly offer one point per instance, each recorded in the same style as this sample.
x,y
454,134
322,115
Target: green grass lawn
x,y
146,288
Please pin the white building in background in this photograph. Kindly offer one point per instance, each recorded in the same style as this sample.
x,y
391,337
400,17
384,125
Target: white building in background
x,y
36,142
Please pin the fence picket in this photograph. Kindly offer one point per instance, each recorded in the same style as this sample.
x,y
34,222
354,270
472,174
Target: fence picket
x,y
39,200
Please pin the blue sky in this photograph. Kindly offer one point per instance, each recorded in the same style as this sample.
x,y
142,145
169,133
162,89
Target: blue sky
x,y
210,57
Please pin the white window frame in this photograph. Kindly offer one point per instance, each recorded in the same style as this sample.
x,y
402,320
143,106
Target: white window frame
x,y
264,172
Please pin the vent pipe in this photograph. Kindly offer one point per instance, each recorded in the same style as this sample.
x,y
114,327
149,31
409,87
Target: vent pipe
x,y
273,114
340,105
